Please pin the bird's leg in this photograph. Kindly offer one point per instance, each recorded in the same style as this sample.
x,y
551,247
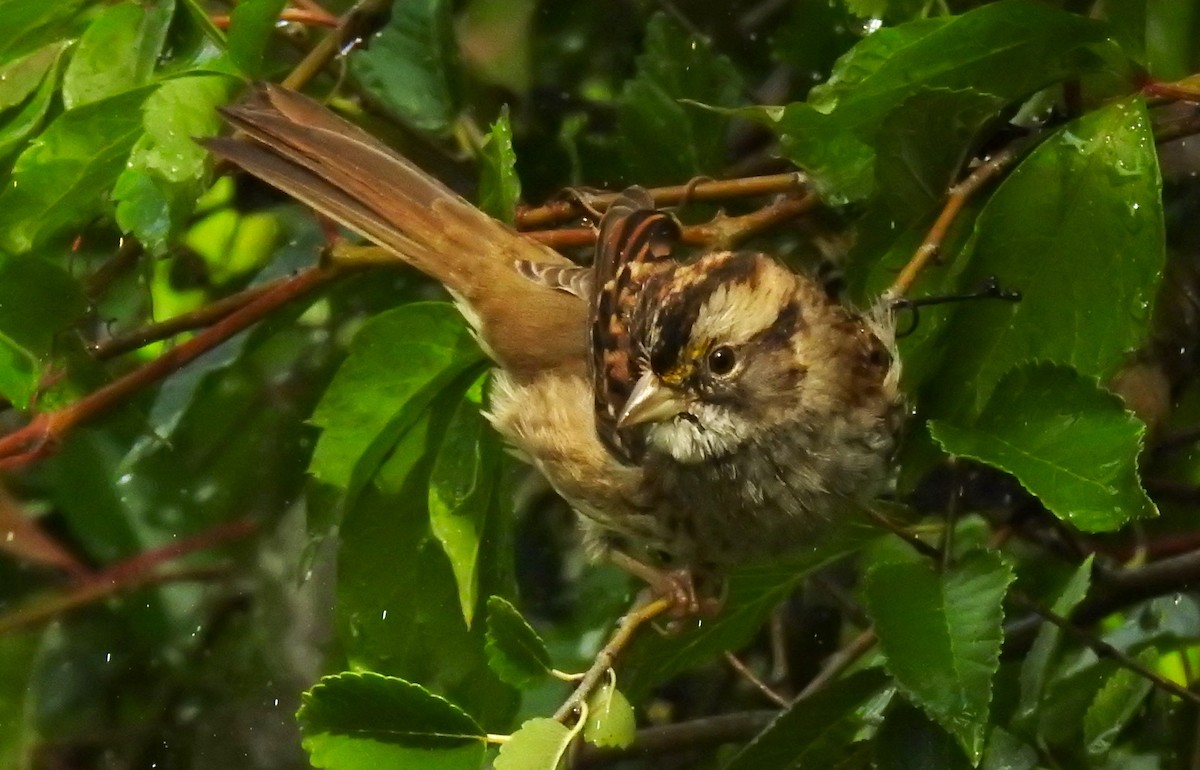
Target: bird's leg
x,y
676,585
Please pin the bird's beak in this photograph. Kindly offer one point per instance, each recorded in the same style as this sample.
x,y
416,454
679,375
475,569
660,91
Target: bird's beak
x,y
650,401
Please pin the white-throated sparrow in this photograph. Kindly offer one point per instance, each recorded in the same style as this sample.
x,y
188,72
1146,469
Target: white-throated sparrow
x,y
701,412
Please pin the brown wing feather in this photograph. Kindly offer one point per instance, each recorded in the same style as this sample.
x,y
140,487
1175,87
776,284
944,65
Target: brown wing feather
x,y
335,167
635,242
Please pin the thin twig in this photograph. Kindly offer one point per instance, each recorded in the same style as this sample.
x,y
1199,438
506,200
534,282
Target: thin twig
x,y
93,591
31,442
1102,648
184,322
353,25
919,545
137,572
695,734
626,627
722,232
1182,91
725,232
838,662
754,680
958,196
1177,127
708,190
293,15
125,258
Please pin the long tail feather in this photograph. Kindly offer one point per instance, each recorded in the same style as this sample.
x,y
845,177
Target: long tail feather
x,y
335,167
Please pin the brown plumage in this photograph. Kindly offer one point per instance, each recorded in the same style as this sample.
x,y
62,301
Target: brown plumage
x,y
696,413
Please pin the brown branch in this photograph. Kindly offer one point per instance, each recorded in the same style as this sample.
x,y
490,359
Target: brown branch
x,y
744,671
39,436
357,23
26,540
722,232
723,728
1125,587
1177,127
604,660
1186,90
138,572
725,232
93,591
697,733
295,15
148,560
184,322
125,258
957,198
1099,646
1102,648
839,662
565,210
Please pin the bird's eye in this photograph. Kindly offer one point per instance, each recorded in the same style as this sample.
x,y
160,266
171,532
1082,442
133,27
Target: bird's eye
x,y
721,360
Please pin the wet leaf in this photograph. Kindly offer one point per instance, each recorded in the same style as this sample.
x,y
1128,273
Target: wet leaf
x,y
1065,439
941,633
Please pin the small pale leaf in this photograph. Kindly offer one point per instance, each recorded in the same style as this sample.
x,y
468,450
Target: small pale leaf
x,y
610,719
540,744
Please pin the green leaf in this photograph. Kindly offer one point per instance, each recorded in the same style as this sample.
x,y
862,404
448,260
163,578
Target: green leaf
x,y
610,719
1128,19
815,732
395,588
886,9
21,77
754,591
941,633
461,486
62,179
923,145
1078,229
909,740
18,739
514,650
1036,665
397,363
117,52
1067,441
385,709
1006,752
38,302
1166,622
499,185
1007,50
1115,705
156,193
31,24
24,121
181,111
352,719
251,24
669,141
540,744
412,65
